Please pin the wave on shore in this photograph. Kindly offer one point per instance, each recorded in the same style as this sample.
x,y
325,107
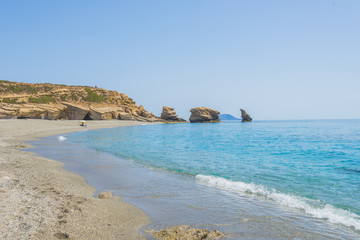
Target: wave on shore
x,y
315,208
61,138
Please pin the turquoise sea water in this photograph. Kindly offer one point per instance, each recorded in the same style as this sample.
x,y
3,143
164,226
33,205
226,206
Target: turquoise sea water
x,y
311,166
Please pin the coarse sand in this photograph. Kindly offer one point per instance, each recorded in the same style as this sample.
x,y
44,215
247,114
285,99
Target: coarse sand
x,y
41,200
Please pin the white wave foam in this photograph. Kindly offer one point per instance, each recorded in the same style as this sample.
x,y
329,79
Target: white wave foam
x,y
312,207
61,138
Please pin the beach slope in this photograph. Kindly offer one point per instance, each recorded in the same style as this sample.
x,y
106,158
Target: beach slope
x,y
41,200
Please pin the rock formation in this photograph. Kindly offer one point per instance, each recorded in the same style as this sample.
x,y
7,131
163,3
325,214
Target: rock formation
x,y
105,195
186,232
53,101
204,114
169,114
245,116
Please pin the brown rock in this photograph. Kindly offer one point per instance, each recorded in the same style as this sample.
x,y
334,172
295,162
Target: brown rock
x,y
125,116
76,111
105,195
204,114
186,232
245,116
169,114
144,113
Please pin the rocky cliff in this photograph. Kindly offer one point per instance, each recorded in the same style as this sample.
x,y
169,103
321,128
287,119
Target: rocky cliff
x,y
245,116
204,114
169,114
53,101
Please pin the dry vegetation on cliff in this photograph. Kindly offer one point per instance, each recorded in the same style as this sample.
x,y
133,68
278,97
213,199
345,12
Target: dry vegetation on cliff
x,y
57,101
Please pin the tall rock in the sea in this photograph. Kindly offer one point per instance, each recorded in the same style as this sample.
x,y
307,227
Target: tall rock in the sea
x,y
168,114
204,114
245,116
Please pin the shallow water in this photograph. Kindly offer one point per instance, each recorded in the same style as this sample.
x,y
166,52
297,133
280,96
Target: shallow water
x,y
268,180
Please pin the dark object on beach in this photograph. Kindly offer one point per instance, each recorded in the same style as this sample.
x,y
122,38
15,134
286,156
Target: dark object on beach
x,y
61,235
245,116
169,114
204,114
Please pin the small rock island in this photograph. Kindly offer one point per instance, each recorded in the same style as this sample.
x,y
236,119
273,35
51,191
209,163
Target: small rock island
x,y
204,114
168,114
245,116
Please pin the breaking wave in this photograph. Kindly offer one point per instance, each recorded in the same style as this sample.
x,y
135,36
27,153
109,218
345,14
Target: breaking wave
x,y
315,208
61,138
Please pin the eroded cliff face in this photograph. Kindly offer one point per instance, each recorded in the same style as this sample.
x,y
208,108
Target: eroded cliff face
x,y
52,101
204,114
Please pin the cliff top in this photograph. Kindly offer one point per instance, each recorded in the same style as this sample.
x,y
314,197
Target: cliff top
x,y
47,93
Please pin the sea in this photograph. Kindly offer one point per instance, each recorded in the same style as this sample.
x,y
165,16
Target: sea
x,y
258,180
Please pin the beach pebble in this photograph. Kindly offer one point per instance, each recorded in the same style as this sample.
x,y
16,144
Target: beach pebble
x,y
105,195
4,179
61,235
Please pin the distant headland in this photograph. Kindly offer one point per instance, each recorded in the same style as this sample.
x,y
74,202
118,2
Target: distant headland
x,y
228,117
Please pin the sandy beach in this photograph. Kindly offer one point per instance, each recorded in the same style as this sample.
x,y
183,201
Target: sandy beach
x,y
41,200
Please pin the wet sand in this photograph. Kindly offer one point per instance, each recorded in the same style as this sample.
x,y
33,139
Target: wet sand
x,y
41,200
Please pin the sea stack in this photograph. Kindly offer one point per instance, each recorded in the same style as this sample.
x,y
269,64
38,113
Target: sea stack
x,y
168,114
245,116
204,114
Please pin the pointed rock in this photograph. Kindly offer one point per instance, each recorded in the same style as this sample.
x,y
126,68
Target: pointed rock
x,y
245,116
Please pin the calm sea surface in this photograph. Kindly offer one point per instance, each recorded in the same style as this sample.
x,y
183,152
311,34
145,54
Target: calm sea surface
x,y
266,179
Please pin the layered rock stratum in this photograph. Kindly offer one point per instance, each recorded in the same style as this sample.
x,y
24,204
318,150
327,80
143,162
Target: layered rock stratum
x,y
55,101
204,114
168,114
245,116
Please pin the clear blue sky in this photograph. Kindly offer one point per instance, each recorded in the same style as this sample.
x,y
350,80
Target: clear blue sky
x,y
290,59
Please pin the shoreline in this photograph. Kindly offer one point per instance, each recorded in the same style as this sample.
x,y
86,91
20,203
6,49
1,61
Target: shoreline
x,y
165,196
41,200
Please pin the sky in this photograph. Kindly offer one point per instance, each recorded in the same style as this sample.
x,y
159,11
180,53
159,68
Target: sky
x,y
278,59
